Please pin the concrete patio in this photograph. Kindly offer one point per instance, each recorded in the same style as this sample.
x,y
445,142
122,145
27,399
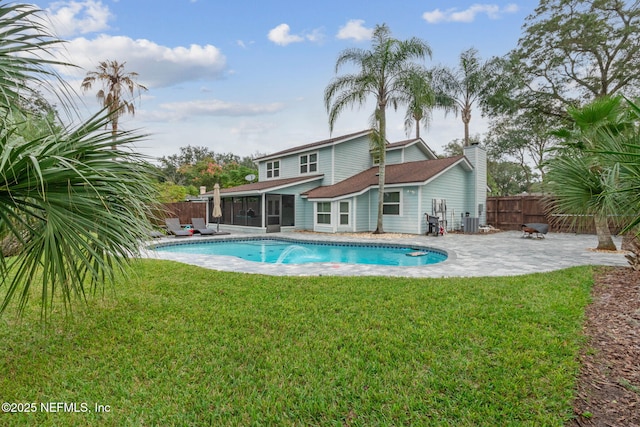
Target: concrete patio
x,y
494,254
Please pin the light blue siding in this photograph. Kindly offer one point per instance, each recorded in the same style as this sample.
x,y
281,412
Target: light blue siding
x,y
362,212
413,153
394,157
478,182
451,186
351,158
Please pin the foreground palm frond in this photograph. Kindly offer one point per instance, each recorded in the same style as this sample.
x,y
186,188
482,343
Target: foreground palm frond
x,y
25,57
78,208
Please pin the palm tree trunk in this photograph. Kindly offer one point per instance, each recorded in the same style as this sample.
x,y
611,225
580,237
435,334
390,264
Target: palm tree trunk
x,y
605,242
382,123
114,129
466,118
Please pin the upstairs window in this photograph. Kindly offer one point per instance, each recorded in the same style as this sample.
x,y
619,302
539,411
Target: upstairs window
x,y
375,158
273,169
309,163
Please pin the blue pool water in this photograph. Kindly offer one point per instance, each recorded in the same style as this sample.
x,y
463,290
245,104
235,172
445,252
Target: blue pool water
x,y
296,252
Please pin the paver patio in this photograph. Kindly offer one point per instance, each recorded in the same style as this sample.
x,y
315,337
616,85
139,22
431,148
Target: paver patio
x,y
494,254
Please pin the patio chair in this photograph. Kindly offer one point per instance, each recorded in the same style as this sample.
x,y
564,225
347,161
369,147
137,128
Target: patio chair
x,y
155,234
528,230
200,226
173,225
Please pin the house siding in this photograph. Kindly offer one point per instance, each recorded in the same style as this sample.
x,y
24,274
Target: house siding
x,y
362,212
394,157
413,154
403,223
477,185
451,187
350,159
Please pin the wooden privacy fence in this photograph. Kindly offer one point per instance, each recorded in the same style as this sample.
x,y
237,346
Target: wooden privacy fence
x,y
183,210
510,212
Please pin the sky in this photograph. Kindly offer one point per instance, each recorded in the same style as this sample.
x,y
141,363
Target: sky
x,y
247,77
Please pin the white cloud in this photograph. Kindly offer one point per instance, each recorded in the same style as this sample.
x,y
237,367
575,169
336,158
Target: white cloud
x,y
468,15
78,17
355,30
316,36
156,65
281,35
214,107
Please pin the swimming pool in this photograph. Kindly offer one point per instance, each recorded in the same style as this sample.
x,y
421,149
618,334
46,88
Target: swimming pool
x,y
285,251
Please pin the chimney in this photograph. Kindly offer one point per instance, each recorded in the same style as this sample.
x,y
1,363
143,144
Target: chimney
x,y
203,189
477,199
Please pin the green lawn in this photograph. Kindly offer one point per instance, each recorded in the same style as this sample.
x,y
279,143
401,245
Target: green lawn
x,y
184,346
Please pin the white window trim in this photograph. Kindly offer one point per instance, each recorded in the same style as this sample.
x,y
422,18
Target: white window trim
x,y
266,167
399,202
349,204
375,158
316,213
309,163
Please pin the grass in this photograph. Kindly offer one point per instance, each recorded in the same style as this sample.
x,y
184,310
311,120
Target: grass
x,y
184,346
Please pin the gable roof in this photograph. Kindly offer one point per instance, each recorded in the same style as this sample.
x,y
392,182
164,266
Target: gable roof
x,y
318,144
395,174
414,141
264,186
400,144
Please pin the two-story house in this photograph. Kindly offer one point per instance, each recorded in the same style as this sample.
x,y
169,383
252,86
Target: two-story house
x,y
332,186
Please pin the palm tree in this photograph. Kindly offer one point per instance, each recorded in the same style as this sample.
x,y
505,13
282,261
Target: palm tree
x,y
384,72
580,176
76,208
466,85
423,98
117,85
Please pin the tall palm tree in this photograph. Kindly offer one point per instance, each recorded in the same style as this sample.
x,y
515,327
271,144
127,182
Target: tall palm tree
x,y
118,89
423,98
467,84
76,208
384,72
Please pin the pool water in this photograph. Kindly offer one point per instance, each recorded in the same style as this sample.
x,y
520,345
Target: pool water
x,y
296,252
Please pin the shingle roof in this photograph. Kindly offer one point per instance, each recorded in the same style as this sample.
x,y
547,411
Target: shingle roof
x,y
401,143
402,173
261,186
315,144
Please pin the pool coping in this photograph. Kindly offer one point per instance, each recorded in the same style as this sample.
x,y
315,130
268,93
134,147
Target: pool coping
x,y
232,263
351,243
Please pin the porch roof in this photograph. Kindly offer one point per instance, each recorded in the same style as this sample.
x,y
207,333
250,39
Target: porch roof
x,y
265,186
395,174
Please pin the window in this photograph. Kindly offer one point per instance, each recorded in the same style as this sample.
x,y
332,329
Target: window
x,y
344,213
240,211
323,213
309,163
273,169
391,203
288,210
375,158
